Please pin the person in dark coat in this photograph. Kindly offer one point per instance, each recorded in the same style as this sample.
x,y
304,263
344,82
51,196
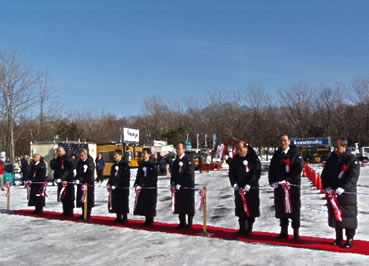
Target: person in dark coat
x,y
100,166
119,184
36,179
65,180
145,185
85,177
200,159
26,169
53,167
285,177
339,179
23,163
183,186
244,174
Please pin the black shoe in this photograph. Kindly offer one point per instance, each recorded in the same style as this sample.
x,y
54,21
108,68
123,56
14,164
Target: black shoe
x,y
149,221
337,242
349,243
189,222
117,220
69,213
284,233
124,220
242,230
181,226
296,235
249,229
182,221
248,233
282,236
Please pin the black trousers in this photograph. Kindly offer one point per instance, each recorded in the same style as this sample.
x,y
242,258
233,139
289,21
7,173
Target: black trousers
x,y
100,175
350,233
284,223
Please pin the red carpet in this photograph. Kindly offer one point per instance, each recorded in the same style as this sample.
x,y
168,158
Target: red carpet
x,y
324,244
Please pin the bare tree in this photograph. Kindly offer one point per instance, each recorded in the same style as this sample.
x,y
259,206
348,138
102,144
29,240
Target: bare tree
x,y
18,85
297,106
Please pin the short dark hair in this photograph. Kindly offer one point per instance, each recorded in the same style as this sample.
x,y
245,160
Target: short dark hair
x,y
83,150
243,142
61,147
284,134
119,152
181,142
147,150
342,141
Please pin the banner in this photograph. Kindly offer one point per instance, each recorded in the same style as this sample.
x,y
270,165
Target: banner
x,y
131,135
311,142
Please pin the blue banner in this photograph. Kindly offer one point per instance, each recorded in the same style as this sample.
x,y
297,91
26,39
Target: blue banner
x,y
311,142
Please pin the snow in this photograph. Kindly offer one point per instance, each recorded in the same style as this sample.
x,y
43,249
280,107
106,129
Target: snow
x,y
35,241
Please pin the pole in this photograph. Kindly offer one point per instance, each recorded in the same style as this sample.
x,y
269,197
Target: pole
x,y
204,217
85,205
8,201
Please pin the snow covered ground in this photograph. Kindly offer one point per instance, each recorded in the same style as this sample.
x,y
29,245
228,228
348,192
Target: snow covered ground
x,y
35,241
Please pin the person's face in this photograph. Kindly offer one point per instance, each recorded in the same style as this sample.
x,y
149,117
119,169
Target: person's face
x,y
83,156
339,149
99,155
180,149
146,156
117,157
60,151
36,158
73,157
241,150
285,142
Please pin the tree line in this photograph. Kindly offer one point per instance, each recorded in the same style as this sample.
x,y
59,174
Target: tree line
x,y
253,114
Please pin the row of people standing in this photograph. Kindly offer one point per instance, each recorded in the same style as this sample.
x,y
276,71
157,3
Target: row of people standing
x,y
118,185
182,186
339,177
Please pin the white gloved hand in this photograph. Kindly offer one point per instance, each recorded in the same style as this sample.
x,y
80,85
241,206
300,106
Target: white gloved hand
x,y
275,185
339,191
138,188
328,189
235,187
247,188
74,172
30,182
282,182
58,180
113,187
178,186
76,182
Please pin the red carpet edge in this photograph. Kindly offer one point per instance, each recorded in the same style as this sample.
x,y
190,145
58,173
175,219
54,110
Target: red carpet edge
x,y
315,243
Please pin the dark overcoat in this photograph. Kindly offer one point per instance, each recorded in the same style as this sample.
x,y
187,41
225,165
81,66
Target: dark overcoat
x,y
246,171
278,172
348,200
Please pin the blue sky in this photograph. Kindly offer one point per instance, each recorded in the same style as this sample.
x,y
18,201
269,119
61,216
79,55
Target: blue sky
x,y
109,55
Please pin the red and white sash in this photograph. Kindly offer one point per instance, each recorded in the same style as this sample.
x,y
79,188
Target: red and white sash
x,y
287,197
332,197
244,201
